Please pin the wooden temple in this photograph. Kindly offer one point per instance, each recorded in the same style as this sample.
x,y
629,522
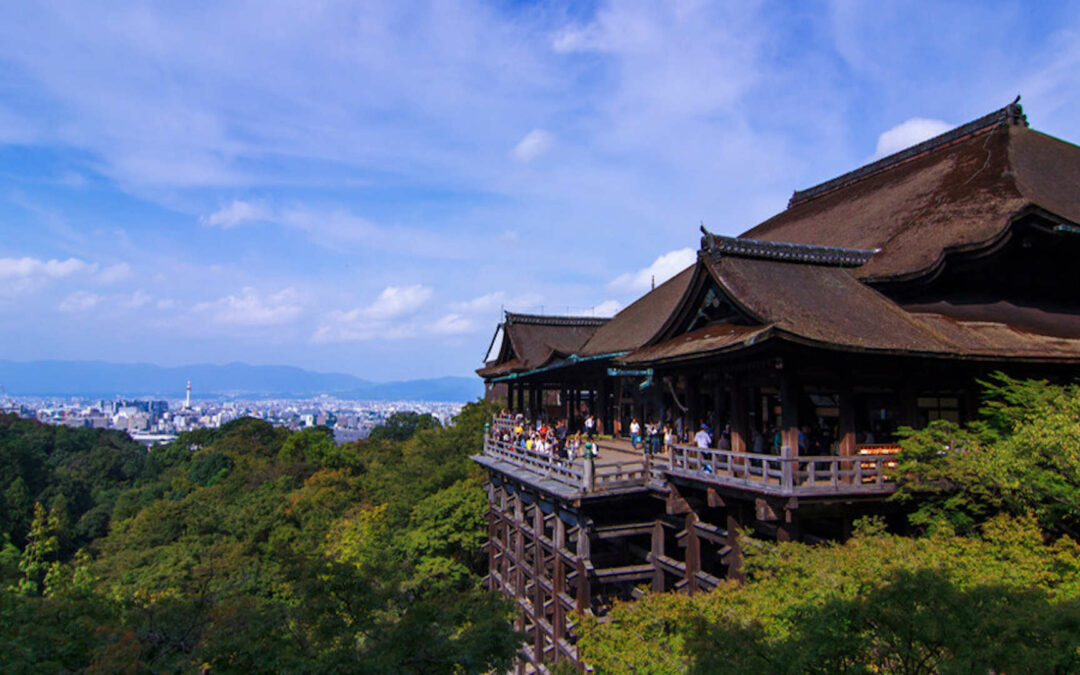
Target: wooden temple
x,y
876,300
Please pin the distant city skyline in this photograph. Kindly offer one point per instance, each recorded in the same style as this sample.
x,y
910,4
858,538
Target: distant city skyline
x,y
362,188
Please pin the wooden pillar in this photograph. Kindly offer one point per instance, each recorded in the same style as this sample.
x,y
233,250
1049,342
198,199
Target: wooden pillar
x,y
693,402
584,599
788,527
519,558
847,417
558,585
734,556
789,411
538,586
693,553
604,414
739,428
493,535
909,412
657,550
718,414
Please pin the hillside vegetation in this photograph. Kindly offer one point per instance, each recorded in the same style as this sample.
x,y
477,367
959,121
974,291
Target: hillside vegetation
x,y
247,549
990,583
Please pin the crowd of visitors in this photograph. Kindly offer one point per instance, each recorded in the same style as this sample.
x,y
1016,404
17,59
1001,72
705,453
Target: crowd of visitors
x,y
539,438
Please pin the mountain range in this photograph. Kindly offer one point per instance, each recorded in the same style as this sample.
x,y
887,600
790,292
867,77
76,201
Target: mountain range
x,y
103,379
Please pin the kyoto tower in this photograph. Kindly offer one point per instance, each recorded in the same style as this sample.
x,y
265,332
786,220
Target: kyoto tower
x,y
187,399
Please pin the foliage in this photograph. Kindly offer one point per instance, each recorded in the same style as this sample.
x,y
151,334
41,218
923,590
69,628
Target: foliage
x,y
248,549
1022,456
1004,602
401,426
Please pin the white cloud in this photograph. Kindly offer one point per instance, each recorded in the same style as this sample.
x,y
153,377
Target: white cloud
x,y
534,144
483,303
114,273
662,269
250,308
79,301
909,133
394,301
489,302
237,213
606,308
453,324
136,300
23,268
387,317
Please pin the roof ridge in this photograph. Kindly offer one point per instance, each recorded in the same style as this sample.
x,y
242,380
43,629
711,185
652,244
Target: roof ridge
x,y
555,320
1012,114
834,256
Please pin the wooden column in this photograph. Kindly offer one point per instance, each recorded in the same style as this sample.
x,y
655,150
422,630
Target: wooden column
x,y
693,553
740,437
734,556
558,585
604,415
847,425
519,558
493,535
657,550
584,599
538,586
789,411
718,414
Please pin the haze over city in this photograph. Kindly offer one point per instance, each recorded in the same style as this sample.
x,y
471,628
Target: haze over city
x,y
361,188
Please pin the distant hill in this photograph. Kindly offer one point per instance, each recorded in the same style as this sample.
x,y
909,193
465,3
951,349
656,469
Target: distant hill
x,y
99,378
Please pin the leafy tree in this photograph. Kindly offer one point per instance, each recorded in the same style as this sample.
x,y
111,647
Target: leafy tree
x,y
401,426
1022,456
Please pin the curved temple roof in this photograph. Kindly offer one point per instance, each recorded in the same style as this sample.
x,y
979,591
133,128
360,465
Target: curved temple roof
x,y
960,190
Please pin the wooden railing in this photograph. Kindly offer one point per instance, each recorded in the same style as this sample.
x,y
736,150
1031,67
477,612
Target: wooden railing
x,y
871,471
867,472
579,473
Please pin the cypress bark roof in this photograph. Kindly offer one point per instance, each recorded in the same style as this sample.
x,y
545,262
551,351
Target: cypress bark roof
x,y
960,190
532,340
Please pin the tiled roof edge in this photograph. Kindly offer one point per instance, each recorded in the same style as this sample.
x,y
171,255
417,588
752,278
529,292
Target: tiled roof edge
x,y
719,246
1012,114
547,320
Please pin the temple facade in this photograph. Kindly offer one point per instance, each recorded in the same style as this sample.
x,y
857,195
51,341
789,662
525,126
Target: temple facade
x,y
877,300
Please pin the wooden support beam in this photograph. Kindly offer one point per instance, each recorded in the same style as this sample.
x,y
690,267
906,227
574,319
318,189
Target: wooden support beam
x,y
764,511
623,530
624,573
714,499
538,574
657,550
734,558
675,503
740,428
693,552
789,412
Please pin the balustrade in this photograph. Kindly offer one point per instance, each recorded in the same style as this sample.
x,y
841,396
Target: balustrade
x,y
872,470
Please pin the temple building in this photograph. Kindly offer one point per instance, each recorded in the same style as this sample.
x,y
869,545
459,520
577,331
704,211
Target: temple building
x,y
877,300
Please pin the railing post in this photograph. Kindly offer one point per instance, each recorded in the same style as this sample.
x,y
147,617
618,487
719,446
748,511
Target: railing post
x,y
787,466
590,470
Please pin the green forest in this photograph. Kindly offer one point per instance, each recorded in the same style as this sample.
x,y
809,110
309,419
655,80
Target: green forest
x,y
251,549
247,549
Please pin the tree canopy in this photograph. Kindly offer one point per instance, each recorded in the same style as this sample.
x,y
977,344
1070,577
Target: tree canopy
x,y
248,549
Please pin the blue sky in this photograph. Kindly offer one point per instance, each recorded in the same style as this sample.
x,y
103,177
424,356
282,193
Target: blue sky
x,y
363,186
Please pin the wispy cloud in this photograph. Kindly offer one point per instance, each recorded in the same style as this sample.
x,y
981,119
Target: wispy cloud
x,y
535,143
909,133
662,269
252,308
389,316
24,268
237,213
79,301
